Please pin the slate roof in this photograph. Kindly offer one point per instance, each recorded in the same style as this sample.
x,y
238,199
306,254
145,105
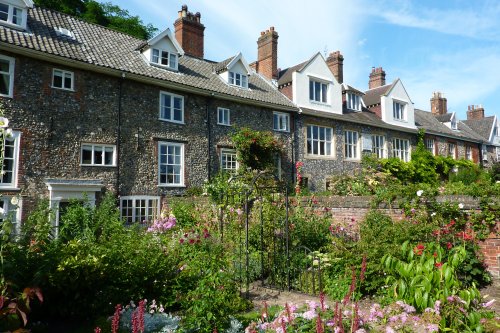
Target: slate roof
x,y
285,75
481,126
364,117
372,96
222,66
444,118
427,121
106,48
346,87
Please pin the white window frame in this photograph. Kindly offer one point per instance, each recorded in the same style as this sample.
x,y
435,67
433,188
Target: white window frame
x,y
135,200
468,153
353,101
224,162
16,138
167,164
352,140
10,16
12,211
430,146
401,149
281,121
498,153
313,142
324,88
163,107
10,73
379,146
93,152
172,59
451,154
237,79
64,74
454,125
399,110
223,116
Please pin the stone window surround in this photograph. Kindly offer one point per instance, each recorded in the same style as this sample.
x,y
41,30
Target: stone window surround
x,y
16,137
355,151
277,121
63,77
307,155
399,114
11,62
14,211
222,112
224,163
234,77
182,164
172,98
135,198
376,149
401,152
103,146
160,57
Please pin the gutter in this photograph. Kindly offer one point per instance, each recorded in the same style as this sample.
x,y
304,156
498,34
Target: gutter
x,y
136,77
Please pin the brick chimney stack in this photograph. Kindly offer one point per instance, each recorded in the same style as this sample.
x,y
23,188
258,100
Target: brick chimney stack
x,y
475,112
377,78
189,32
335,62
439,104
267,54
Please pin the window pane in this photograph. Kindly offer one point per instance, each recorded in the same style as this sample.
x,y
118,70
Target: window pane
x,y
4,12
98,155
58,80
317,90
244,81
17,16
164,58
311,90
86,154
108,155
173,61
323,93
67,81
156,56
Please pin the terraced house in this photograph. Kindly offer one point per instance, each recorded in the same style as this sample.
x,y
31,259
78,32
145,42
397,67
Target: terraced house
x,y
95,110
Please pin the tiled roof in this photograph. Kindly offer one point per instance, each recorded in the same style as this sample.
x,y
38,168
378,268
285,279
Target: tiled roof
x,y
427,121
346,87
372,96
444,118
285,75
481,126
364,117
222,66
103,47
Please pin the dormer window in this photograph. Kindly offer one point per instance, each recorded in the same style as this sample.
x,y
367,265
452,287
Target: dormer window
x,y
453,123
318,91
399,111
353,102
164,58
237,79
11,14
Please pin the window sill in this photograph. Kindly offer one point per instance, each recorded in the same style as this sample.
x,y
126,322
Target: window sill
x,y
13,26
171,186
319,157
227,125
8,188
7,96
164,66
320,103
281,131
63,89
357,160
172,121
98,165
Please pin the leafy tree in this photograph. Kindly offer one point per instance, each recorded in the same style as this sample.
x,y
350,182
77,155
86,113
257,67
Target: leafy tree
x,y
105,14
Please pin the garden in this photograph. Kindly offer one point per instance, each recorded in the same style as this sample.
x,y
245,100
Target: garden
x,y
190,270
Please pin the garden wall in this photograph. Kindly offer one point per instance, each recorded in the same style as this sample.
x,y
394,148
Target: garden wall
x,y
356,207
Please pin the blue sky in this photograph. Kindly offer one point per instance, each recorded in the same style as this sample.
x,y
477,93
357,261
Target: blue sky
x,y
449,46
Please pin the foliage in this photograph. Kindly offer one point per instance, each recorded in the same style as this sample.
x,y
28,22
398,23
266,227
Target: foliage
x,y
105,14
256,149
495,172
184,213
155,319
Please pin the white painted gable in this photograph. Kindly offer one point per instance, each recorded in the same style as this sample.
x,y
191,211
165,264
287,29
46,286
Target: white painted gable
x,y
317,70
164,41
397,94
237,65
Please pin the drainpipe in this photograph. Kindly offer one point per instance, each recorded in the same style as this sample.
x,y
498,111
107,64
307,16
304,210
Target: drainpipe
x,y
294,144
209,135
118,136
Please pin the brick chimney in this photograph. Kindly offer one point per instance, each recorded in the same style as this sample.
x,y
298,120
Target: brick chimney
x,y
475,112
377,78
189,32
335,62
267,54
439,104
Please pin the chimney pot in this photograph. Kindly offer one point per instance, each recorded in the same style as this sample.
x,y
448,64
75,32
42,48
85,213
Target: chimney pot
x,y
475,112
377,78
439,104
335,62
267,54
189,32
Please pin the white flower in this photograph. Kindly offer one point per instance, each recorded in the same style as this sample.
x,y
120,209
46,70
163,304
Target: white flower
x,y
433,214
8,132
1,211
14,201
461,205
4,122
419,193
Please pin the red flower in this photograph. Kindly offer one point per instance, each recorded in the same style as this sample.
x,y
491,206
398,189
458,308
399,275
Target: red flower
x,y
435,254
419,249
436,232
449,245
181,240
438,265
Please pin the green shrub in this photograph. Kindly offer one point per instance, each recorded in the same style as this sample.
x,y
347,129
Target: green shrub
x,y
184,213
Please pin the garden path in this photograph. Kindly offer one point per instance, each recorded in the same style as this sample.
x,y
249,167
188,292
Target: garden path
x,y
259,294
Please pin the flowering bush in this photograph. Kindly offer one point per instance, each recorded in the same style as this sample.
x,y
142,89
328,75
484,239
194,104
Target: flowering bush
x,y
163,224
144,318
